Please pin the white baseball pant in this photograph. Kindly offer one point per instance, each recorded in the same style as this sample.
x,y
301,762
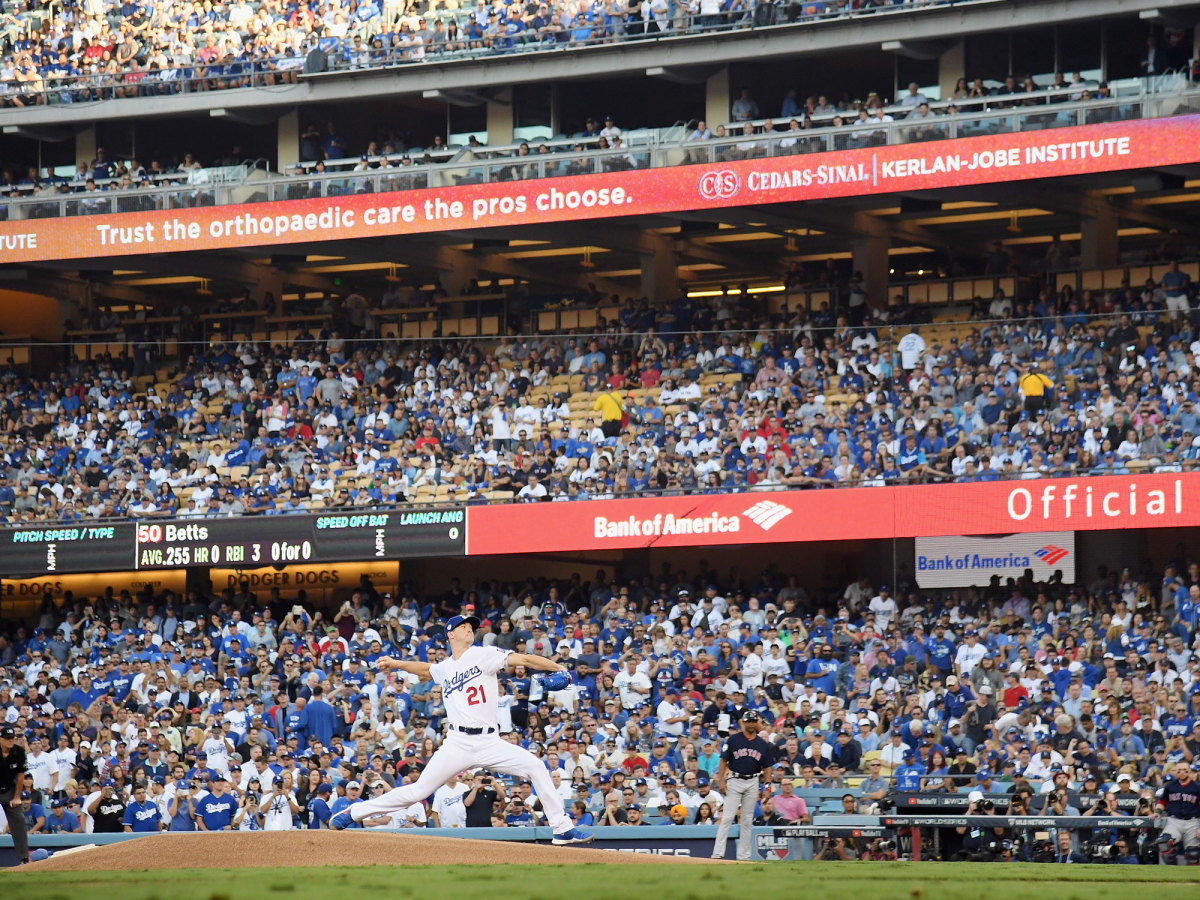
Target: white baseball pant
x,y
741,793
470,751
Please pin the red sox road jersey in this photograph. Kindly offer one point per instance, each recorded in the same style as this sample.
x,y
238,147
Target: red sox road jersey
x,y
469,686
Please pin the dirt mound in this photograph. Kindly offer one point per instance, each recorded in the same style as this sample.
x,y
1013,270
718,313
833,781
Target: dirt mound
x,y
227,850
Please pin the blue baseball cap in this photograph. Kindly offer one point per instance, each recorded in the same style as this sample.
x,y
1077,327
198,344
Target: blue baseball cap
x,y
455,621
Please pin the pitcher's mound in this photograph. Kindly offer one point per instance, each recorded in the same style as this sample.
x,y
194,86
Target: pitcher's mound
x,y
227,850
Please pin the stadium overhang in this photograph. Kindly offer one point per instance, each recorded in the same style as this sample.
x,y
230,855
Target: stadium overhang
x,y
904,30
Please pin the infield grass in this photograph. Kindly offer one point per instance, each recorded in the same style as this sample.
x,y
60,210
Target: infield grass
x,y
829,881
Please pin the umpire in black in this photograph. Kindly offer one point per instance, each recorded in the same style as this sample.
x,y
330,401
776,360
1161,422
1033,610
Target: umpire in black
x,y
13,766
743,759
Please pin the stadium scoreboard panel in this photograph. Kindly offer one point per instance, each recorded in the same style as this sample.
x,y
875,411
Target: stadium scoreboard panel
x,y
249,541
63,547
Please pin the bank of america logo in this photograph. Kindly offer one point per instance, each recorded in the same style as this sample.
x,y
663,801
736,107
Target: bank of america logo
x,y
1051,554
766,514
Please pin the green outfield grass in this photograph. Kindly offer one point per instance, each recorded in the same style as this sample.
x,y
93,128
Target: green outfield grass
x,y
829,881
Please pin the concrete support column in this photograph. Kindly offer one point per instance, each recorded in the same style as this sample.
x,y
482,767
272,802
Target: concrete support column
x,y
659,282
952,65
85,145
717,98
869,254
1098,241
500,122
287,145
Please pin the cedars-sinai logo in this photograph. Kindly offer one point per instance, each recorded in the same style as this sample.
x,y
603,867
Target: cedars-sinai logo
x,y
719,185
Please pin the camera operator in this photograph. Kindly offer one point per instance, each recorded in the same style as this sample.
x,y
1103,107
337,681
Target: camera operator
x,y
1099,841
1019,805
1059,786
1124,853
836,849
881,850
980,843
481,799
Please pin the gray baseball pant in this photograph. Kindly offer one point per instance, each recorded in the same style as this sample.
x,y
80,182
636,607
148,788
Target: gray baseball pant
x,y
742,794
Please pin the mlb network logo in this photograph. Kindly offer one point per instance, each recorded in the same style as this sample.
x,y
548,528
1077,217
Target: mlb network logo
x,y
766,514
1051,554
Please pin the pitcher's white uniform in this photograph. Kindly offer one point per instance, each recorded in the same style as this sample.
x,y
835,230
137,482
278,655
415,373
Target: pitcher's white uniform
x,y
469,690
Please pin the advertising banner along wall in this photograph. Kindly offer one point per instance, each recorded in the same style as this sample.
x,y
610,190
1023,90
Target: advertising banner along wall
x,y
985,508
957,561
964,161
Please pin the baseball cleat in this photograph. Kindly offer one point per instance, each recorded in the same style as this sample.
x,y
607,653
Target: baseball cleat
x,y
342,821
573,836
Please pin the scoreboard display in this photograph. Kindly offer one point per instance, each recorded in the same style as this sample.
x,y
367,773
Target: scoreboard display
x,y
248,541
64,547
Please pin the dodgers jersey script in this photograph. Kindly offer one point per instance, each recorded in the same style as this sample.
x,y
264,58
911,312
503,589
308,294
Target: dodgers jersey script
x,y
469,685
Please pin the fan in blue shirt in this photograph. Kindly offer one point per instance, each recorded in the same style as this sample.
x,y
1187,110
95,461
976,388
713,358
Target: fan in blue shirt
x,y
908,775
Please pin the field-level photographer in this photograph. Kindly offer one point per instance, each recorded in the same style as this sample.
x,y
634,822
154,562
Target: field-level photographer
x,y
980,843
881,850
836,849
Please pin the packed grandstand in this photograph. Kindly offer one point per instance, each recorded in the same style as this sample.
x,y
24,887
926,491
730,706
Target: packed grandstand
x,y
94,51
147,707
1062,696
705,395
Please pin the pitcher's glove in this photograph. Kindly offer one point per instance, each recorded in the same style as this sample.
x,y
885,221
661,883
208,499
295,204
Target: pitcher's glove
x,y
556,681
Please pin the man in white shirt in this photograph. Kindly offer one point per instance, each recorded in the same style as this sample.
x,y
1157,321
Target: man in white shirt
x,y
671,716
278,807
63,760
970,652
42,766
884,608
632,684
447,807
532,491
911,346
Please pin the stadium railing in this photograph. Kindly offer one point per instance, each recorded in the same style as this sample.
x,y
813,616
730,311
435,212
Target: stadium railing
x,y
564,156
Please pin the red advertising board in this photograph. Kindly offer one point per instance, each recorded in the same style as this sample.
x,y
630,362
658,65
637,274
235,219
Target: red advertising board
x,y
999,507
907,167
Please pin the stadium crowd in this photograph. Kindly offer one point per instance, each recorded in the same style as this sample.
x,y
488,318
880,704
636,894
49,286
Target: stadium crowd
x,y
239,711
702,395
96,50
